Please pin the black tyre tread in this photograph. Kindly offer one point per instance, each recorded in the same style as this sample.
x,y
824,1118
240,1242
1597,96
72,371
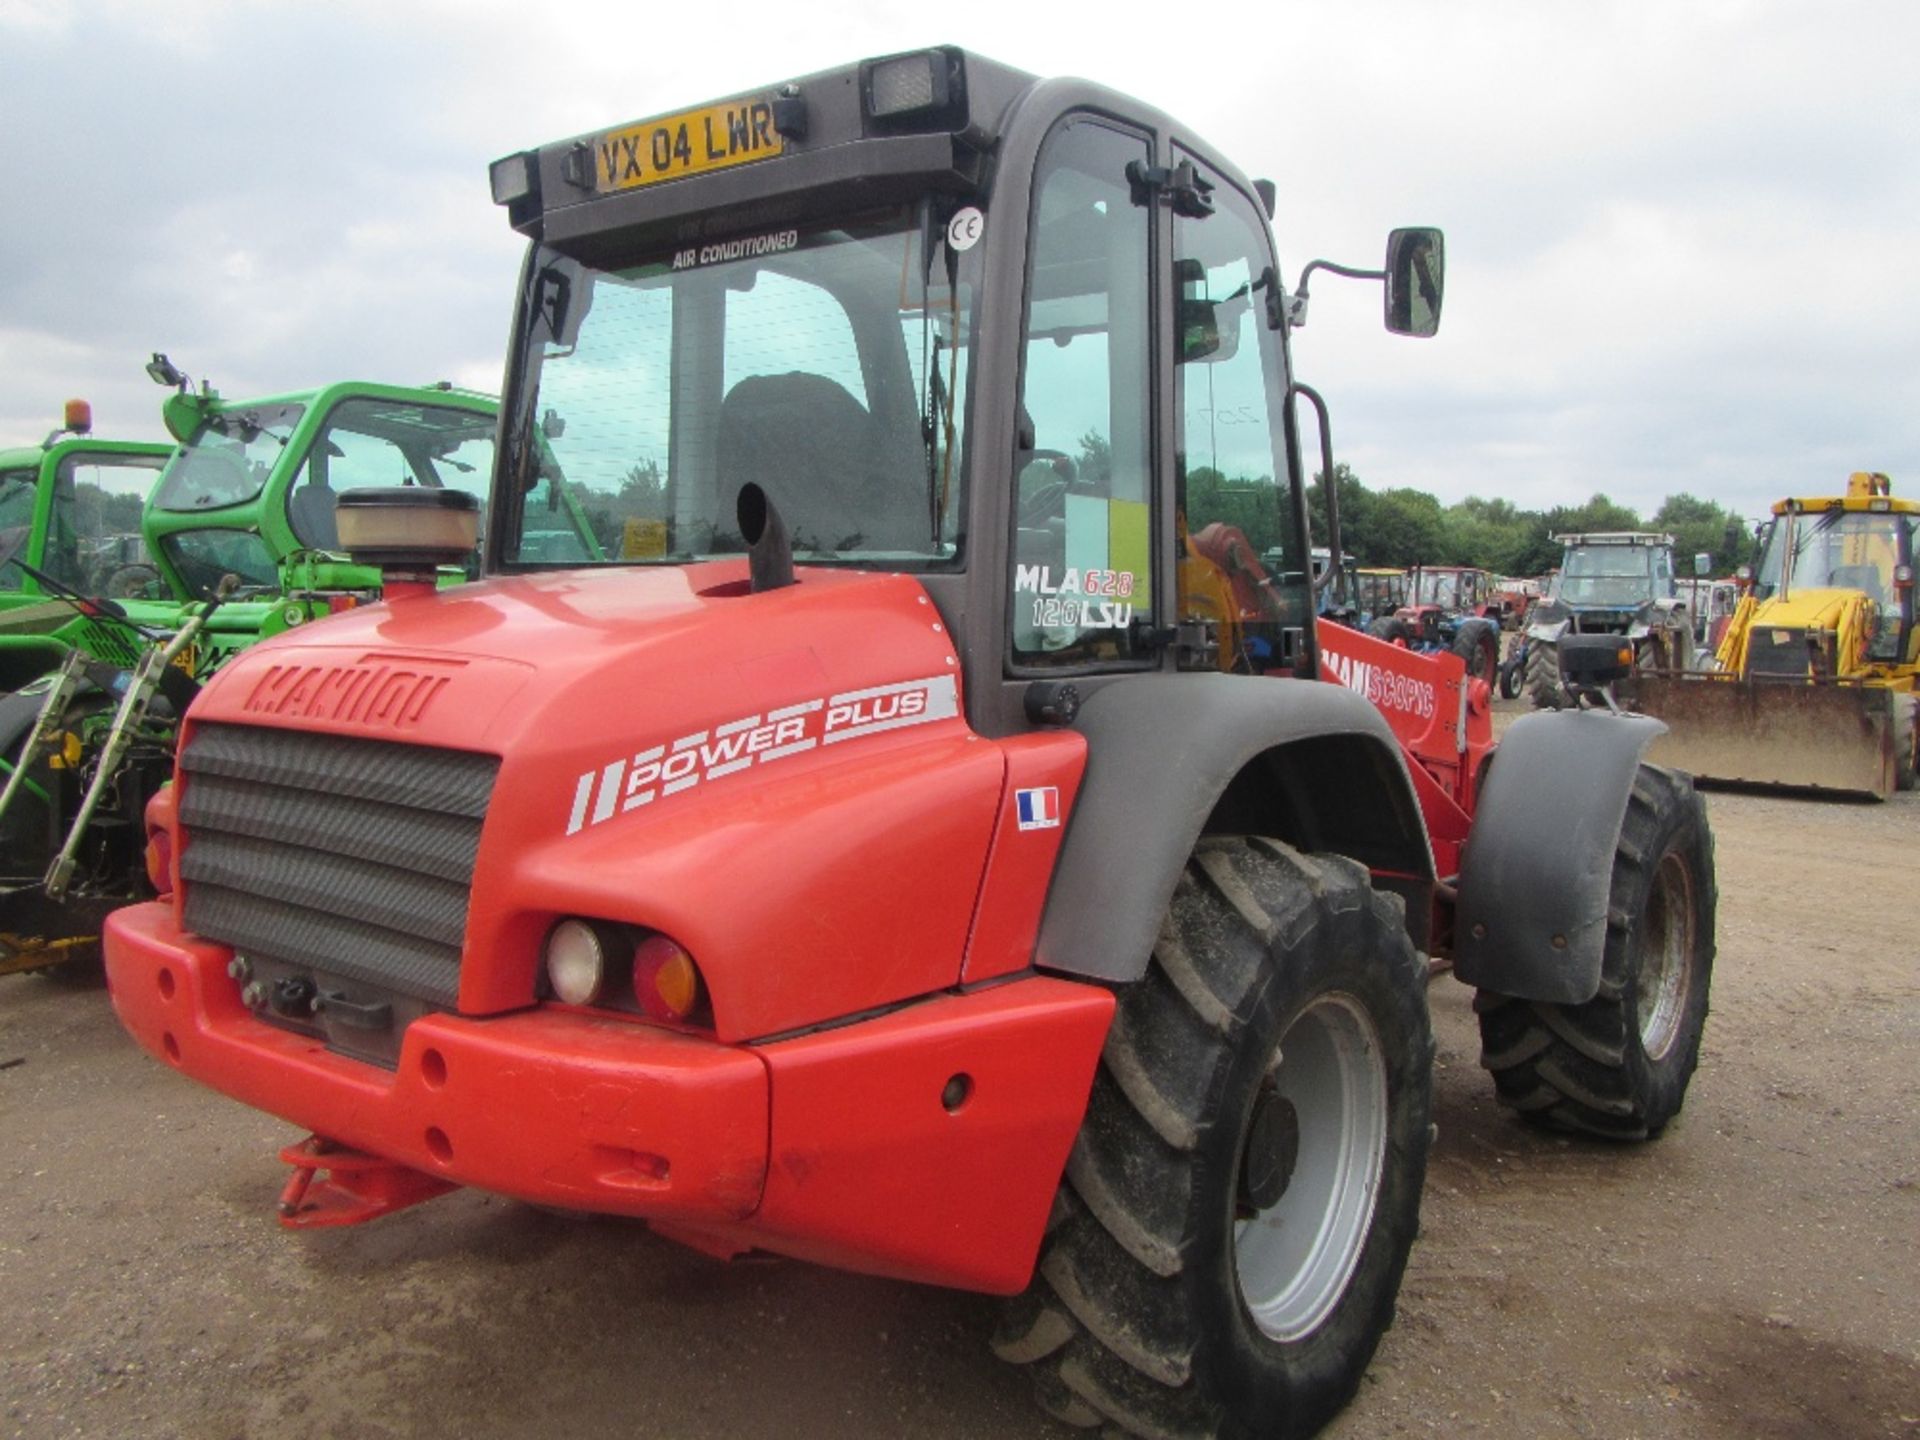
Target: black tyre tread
x,y
1543,677
1114,1273
1031,1329
1061,1403
1390,628
1571,1067
1477,642
1906,744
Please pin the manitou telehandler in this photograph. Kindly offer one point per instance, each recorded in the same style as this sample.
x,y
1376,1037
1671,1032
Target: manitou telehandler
x,y
884,837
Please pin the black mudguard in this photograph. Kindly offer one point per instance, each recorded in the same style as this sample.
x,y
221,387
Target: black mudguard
x,y
1171,757
1532,916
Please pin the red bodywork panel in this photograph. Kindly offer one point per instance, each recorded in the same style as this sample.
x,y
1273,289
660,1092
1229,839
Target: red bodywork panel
x,y
1443,721
871,1169
786,785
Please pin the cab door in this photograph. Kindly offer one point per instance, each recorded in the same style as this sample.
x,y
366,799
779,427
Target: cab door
x,y
1243,564
1082,575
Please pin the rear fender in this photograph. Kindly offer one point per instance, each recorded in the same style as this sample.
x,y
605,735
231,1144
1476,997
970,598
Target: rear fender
x,y
1547,632
1172,758
1534,884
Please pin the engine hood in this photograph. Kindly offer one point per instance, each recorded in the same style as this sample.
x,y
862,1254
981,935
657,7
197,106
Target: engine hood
x,y
575,660
1808,609
670,759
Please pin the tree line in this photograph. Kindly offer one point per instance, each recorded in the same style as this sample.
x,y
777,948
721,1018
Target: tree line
x,y
1403,526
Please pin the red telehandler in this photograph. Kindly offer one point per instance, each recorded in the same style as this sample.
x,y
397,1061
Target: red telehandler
x,y
855,818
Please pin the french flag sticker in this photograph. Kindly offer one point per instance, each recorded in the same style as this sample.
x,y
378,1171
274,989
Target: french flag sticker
x,y
1038,809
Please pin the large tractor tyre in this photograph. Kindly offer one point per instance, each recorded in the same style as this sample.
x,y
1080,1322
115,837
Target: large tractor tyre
x,y
1543,677
1618,1066
1906,742
1228,1241
1478,643
1393,630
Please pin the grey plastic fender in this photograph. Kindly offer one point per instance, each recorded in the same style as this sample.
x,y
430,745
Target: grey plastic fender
x,y
1547,633
1532,916
1172,756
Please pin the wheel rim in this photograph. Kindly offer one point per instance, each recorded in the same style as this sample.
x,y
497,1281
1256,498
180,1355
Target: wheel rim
x,y
1294,1257
1666,957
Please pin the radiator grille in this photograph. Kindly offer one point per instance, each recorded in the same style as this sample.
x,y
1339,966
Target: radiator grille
x,y
352,857
1778,652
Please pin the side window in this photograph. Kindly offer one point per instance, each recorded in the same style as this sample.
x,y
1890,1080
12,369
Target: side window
x,y
1240,569
17,493
93,542
1082,476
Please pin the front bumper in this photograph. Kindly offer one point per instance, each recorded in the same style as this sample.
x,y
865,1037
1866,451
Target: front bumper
x,y
551,1106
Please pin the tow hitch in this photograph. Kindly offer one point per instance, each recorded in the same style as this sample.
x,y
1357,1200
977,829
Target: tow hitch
x,y
334,1185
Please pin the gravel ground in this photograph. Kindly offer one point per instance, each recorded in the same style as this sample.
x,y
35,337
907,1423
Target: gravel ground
x,y
1754,1273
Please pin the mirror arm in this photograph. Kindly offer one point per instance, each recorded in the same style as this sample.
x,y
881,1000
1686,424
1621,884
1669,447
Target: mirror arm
x,y
1297,300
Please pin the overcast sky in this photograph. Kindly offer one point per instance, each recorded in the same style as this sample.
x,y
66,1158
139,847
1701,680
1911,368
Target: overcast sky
x,y
1678,232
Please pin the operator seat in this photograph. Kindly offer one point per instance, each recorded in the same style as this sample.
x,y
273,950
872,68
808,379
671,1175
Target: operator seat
x,y
310,510
822,458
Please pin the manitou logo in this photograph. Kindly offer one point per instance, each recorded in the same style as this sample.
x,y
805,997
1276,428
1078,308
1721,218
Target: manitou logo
x,y
676,765
390,695
1386,689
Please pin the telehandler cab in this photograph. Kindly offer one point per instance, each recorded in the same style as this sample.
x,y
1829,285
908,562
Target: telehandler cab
x,y
857,817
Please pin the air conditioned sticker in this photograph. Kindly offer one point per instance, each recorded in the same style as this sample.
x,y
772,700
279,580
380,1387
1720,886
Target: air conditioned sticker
x,y
704,756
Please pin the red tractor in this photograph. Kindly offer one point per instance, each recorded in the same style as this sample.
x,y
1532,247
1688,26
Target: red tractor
x,y
851,819
1449,608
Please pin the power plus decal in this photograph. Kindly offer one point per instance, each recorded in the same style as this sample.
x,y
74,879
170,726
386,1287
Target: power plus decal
x,y
672,766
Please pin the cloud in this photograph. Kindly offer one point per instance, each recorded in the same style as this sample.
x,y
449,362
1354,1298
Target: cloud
x,y
1677,235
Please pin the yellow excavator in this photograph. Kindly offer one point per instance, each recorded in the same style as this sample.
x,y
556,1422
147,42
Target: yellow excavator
x,y
1814,684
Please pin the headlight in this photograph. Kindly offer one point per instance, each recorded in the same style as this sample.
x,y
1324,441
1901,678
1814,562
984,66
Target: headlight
x,y
576,962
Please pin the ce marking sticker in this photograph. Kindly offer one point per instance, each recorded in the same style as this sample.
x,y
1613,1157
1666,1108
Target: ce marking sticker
x,y
966,228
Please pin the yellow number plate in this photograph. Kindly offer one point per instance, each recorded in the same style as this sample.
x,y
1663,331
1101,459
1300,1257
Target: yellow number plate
x,y
689,144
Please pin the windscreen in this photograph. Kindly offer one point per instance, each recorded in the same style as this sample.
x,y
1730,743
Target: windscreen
x,y
824,364
1607,575
1839,550
228,459
1439,587
1843,550
206,557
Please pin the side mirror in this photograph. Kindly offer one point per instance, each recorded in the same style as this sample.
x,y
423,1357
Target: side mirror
x,y
1703,563
1416,274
